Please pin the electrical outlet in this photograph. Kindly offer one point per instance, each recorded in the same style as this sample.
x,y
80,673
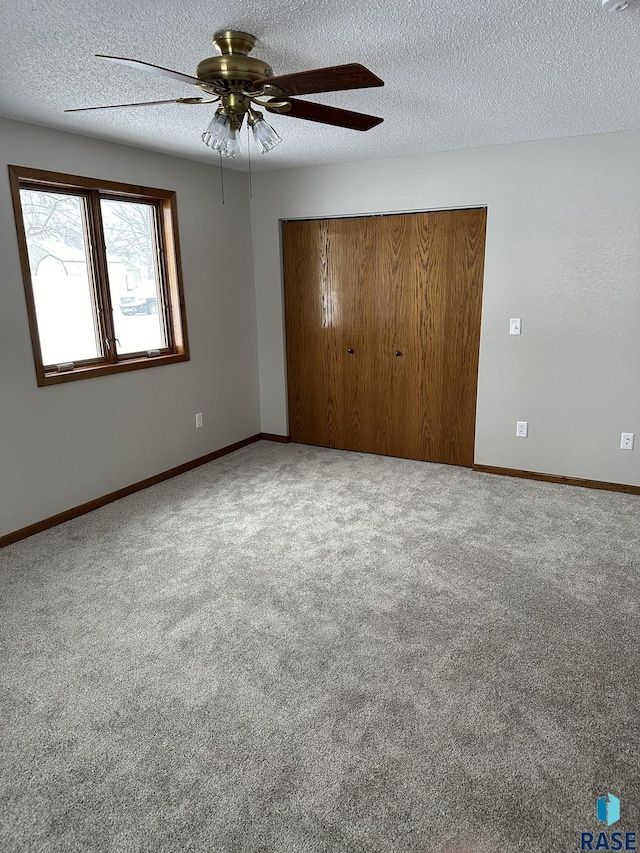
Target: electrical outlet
x,y
515,326
522,429
198,420
626,441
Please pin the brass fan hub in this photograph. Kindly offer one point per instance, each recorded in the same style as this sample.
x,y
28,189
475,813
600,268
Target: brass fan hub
x,y
233,64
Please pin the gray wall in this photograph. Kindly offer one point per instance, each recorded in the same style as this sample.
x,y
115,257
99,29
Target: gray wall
x,y
563,253
66,444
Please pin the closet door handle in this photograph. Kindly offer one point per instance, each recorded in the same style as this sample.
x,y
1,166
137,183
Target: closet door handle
x,y
350,351
398,352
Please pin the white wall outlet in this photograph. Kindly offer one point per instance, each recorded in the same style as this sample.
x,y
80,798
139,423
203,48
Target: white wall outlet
x,y
198,420
626,441
515,326
522,429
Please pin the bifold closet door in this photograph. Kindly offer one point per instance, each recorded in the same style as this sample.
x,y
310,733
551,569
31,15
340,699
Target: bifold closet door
x,y
329,274
352,334
454,272
400,332
308,309
383,329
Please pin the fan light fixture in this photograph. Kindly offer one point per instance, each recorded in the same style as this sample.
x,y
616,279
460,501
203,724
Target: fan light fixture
x,y
263,133
222,133
217,133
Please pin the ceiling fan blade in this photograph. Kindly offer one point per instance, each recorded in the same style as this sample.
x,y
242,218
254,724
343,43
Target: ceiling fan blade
x,y
141,104
155,69
328,115
336,78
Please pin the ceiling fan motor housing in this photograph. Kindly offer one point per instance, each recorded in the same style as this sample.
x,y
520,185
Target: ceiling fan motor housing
x,y
233,64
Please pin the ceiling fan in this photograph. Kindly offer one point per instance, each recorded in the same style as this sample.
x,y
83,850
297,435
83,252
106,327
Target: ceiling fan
x,y
238,82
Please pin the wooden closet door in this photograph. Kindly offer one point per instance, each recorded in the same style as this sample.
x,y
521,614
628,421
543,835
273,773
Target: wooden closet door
x,y
409,283
351,267
454,272
308,312
401,303
329,274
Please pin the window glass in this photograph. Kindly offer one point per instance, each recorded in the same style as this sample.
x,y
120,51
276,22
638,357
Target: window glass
x,y
101,270
130,235
63,290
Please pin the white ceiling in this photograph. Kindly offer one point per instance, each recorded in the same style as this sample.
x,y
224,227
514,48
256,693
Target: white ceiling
x,y
457,74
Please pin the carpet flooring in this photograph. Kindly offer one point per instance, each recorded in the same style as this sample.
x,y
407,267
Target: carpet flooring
x,y
301,650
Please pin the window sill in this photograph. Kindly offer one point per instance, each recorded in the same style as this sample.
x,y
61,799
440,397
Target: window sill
x,y
53,377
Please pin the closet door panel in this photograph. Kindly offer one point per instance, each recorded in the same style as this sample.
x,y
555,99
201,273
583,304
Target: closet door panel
x,y
454,271
400,321
351,262
308,310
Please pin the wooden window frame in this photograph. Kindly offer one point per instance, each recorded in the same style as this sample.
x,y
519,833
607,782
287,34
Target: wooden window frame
x,y
168,263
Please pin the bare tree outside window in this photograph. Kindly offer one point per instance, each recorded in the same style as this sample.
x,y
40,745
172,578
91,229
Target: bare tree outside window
x,y
134,275
60,276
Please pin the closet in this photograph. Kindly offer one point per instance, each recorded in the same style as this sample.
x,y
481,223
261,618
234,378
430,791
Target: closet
x,y
382,321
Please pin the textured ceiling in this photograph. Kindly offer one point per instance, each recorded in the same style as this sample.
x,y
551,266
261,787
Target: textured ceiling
x,y
457,74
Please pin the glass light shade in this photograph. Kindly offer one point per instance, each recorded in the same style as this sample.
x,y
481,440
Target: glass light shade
x,y
217,133
264,135
232,148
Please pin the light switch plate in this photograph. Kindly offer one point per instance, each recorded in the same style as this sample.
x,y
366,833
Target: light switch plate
x,y
515,326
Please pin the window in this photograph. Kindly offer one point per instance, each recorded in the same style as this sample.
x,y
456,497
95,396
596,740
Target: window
x,y
101,269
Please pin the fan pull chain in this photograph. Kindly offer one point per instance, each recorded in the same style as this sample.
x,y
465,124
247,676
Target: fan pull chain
x,y
221,178
249,153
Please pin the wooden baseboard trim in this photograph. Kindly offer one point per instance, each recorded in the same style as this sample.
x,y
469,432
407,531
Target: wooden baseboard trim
x,y
270,436
77,511
557,478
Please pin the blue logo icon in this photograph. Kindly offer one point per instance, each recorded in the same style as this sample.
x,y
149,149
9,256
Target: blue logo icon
x,y
609,809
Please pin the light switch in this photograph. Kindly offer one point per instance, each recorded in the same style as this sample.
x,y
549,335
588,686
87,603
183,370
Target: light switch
x,y
515,326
